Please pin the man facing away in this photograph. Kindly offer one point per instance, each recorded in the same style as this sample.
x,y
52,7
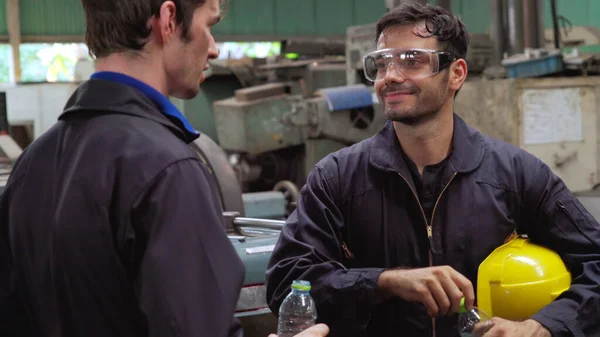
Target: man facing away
x,y
110,225
391,231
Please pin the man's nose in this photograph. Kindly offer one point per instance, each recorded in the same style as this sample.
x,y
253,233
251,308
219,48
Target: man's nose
x,y
213,51
393,74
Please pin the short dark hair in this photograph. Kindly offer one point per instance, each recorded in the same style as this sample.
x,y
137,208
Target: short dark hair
x,y
448,29
121,25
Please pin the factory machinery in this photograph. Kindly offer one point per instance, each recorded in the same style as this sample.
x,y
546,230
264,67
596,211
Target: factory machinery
x,y
290,114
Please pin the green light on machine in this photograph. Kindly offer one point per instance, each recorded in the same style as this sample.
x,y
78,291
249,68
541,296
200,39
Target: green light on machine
x,y
292,56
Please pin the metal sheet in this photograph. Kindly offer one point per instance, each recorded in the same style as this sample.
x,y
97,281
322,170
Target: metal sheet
x,y
252,298
228,186
268,204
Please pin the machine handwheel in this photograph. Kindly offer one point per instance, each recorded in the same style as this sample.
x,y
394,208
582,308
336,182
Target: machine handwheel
x,y
290,192
224,176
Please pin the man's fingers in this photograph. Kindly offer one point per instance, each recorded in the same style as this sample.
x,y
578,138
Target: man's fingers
x,y
429,302
442,300
466,287
454,295
318,330
480,329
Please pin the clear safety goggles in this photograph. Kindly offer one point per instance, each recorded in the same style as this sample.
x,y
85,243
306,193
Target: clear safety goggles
x,y
408,63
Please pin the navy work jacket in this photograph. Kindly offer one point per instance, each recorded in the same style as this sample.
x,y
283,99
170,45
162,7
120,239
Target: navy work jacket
x,y
357,215
111,226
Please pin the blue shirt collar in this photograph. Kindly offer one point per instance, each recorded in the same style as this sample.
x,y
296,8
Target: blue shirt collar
x,y
165,105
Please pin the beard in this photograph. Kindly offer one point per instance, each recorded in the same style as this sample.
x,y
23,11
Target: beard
x,y
425,107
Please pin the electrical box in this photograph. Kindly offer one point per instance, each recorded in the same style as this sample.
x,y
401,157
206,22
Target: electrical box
x,y
554,118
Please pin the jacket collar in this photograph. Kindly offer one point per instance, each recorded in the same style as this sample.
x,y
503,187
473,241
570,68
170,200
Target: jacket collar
x,y
468,148
120,94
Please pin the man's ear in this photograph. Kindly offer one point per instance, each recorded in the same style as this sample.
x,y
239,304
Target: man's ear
x,y
458,74
166,23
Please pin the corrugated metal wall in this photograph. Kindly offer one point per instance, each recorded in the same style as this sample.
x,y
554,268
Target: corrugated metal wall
x,y
293,17
51,17
277,18
262,18
476,13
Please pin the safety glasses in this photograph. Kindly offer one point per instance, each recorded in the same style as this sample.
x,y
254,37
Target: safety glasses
x,y
409,63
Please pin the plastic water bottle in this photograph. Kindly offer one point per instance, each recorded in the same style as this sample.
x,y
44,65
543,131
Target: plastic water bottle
x,y
467,319
297,312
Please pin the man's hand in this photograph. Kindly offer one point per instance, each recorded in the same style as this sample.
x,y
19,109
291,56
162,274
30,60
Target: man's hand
x,y
498,327
440,289
319,330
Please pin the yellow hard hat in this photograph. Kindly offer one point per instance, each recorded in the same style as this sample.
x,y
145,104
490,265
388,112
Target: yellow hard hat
x,y
519,278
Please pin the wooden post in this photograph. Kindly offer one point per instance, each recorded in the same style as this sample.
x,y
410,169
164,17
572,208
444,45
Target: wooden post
x,y
14,35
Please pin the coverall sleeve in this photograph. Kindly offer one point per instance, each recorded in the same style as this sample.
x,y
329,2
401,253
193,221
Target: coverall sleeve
x,y
309,248
190,276
555,218
12,313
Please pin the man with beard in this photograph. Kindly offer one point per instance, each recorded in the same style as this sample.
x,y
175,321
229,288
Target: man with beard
x,y
391,231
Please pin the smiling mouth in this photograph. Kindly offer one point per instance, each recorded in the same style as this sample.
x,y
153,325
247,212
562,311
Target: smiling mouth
x,y
397,96
398,93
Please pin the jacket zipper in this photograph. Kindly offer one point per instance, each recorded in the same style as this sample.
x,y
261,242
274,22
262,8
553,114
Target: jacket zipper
x,y
429,225
563,208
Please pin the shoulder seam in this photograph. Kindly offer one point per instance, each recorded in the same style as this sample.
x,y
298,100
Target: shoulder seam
x,y
151,181
140,193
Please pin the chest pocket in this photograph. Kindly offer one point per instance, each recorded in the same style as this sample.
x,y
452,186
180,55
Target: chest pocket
x,y
384,228
493,218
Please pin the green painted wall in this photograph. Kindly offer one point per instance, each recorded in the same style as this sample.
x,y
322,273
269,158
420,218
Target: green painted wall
x,y
3,23
51,17
280,18
295,17
266,18
476,13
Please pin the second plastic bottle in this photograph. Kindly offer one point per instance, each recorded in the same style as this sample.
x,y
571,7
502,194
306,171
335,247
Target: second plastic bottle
x,y
468,319
297,312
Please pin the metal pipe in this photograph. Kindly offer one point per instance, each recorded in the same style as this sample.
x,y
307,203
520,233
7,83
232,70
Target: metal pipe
x,y
498,31
528,22
515,26
541,26
532,23
260,223
555,24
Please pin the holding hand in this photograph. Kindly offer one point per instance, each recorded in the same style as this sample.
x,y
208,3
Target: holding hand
x,y
440,289
318,330
498,327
